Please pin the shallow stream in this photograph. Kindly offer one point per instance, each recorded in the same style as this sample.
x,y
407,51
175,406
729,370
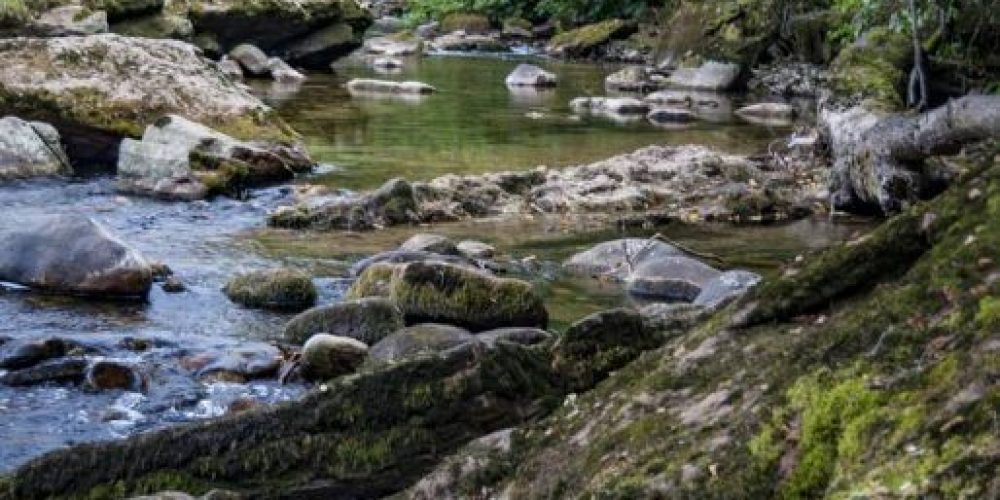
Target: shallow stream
x,y
473,125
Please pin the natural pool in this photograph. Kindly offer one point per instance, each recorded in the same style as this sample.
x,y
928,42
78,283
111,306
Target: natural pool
x,y
473,125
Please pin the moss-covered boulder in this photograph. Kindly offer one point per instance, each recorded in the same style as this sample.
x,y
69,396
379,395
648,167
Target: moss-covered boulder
x,y
329,356
587,40
419,340
392,204
277,289
98,89
874,69
180,159
722,30
368,320
434,292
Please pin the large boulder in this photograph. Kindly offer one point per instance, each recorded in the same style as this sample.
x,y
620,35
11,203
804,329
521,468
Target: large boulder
x,y
98,89
529,75
181,159
277,289
617,258
314,31
444,293
368,320
71,254
418,340
711,75
30,149
328,356
671,278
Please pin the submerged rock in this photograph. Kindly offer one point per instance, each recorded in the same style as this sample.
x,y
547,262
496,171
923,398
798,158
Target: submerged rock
x,y
617,258
610,105
98,89
53,370
444,293
726,288
363,85
461,41
30,149
711,75
277,289
392,204
768,113
671,278
183,160
329,356
529,75
71,254
368,320
418,340
19,354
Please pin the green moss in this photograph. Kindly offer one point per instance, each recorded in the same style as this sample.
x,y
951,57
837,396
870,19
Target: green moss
x,y
988,314
280,289
376,281
582,40
874,68
454,295
468,22
13,13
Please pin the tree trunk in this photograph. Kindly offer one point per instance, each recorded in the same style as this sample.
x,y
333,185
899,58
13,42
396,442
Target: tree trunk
x,y
879,161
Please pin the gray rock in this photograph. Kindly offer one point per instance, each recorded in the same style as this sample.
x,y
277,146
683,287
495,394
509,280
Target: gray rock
x,y
418,340
768,113
30,150
364,85
248,362
281,72
161,24
529,75
368,320
251,58
391,47
725,288
427,30
522,336
631,79
71,254
671,318
387,63
328,356
609,105
230,68
616,258
71,20
463,42
476,249
711,75
179,159
432,243
670,278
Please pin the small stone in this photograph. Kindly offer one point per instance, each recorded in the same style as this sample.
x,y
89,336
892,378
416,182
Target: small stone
x,y
173,285
277,289
476,249
432,243
109,375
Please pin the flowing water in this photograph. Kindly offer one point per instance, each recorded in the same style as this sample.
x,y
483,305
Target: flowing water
x,y
473,125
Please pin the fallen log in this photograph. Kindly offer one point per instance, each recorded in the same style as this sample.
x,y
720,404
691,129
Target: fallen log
x,y
879,162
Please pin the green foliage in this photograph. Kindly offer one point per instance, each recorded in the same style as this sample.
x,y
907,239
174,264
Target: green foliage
x,y
569,11
12,12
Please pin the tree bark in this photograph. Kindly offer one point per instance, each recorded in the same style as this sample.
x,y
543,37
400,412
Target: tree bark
x,y
879,161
